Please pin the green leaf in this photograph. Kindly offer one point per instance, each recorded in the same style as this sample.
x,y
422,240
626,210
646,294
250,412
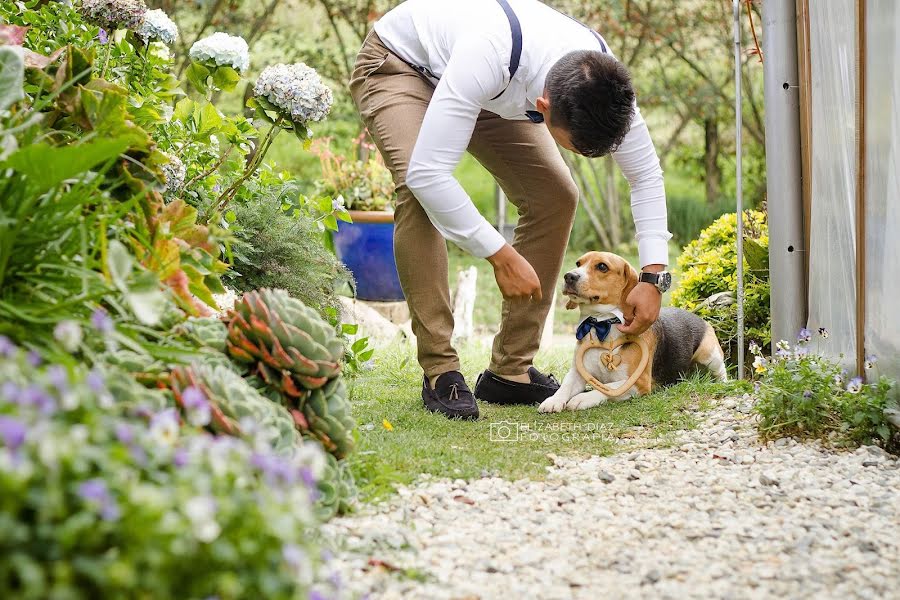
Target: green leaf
x,y
363,357
183,110
210,119
757,257
120,264
349,328
197,75
230,216
147,304
226,78
330,223
343,215
12,75
47,166
359,345
323,203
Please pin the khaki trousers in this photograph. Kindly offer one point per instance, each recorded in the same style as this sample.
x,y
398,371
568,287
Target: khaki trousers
x,y
391,98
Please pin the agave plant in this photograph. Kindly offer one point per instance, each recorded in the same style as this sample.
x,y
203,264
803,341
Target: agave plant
x,y
286,343
235,405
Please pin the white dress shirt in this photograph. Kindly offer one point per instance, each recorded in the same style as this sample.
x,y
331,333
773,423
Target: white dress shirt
x,y
465,45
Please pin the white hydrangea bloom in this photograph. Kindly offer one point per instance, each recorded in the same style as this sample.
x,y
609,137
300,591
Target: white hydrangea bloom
x,y
157,26
174,173
297,90
114,14
222,50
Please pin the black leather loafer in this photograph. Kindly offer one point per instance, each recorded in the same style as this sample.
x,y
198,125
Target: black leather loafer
x,y
452,398
493,388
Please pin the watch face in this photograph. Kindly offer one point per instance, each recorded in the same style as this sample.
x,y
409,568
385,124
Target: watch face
x,y
665,281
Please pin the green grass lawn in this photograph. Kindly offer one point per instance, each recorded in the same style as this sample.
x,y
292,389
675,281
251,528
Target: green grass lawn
x,y
417,442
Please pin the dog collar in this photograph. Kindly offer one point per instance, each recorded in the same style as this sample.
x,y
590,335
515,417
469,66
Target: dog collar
x,y
600,328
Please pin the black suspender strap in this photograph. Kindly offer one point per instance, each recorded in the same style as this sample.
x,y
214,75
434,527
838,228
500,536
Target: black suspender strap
x,y
516,54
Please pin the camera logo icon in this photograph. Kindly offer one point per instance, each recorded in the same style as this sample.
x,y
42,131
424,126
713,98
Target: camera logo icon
x,y
504,431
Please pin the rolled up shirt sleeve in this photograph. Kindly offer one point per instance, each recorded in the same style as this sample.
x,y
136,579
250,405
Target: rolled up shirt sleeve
x,y
474,74
639,162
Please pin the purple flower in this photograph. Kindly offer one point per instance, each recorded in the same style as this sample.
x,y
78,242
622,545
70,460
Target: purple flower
x,y
801,352
807,394
58,377
823,332
13,432
36,396
275,470
7,348
306,475
96,493
124,433
317,595
33,358
855,385
180,457
10,392
164,426
804,336
871,359
102,322
783,353
95,381
103,36
196,406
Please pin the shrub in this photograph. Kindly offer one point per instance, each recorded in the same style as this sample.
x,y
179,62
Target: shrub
x,y
804,394
102,502
708,267
278,248
688,215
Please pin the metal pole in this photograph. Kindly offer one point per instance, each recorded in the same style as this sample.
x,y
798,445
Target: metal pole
x,y
739,125
783,171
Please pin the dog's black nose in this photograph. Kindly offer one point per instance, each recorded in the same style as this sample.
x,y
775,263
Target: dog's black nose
x,y
571,278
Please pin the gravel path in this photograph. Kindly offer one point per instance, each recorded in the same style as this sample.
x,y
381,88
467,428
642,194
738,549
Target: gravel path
x,y
717,515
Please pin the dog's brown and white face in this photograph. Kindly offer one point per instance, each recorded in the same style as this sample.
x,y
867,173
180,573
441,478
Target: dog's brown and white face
x,y
600,278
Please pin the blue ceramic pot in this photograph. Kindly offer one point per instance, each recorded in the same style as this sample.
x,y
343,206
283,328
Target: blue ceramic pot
x,y
366,246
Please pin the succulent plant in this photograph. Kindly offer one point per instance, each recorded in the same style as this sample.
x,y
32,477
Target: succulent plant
x,y
236,407
206,331
336,488
286,343
324,415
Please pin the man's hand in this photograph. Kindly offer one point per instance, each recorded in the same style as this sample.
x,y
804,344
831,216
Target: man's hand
x,y
515,276
645,300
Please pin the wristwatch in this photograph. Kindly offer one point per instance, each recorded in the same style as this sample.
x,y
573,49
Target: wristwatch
x,y
662,280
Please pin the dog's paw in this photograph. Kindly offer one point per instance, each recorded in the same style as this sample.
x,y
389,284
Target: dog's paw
x,y
586,400
553,404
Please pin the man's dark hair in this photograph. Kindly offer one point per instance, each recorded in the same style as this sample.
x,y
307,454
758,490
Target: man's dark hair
x,y
591,96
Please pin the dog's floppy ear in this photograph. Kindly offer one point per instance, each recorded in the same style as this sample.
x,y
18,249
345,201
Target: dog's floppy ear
x,y
571,304
630,277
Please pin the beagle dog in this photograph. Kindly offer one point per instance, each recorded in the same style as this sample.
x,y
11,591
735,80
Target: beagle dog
x,y
678,341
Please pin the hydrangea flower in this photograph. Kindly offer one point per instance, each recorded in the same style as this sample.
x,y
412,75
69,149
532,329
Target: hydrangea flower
x,y
223,50
69,334
855,385
174,174
804,336
114,14
296,90
157,26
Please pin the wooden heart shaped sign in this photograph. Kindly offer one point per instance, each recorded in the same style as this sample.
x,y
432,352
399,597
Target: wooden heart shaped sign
x,y
608,358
